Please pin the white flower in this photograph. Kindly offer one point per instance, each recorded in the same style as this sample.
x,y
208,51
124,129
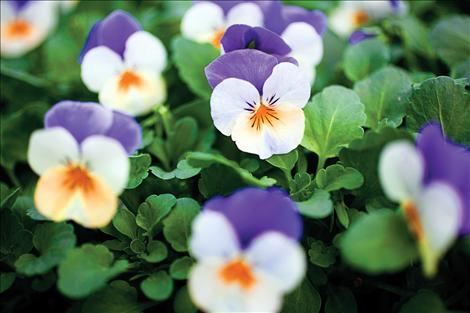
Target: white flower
x,y
206,21
133,85
77,181
228,278
24,28
433,211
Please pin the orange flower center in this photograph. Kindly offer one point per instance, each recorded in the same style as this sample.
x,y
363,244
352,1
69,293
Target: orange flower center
x,y
263,115
360,18
238,271
128,80
78,177
217,37
18,28
414,222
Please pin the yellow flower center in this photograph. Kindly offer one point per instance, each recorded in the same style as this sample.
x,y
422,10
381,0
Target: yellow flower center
x,y
18,29
263,115
414,221
128,80
360,18
78,177
217,37
238,271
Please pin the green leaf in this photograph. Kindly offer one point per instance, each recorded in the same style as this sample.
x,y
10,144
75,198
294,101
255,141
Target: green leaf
x,y
364,58
362,153
87,269
157,286
137,246
321,255
9,198
444,100
191,58
183,303
414,33
156,252
124,222
304,299
332,120
284,161
177,225
14,239
153,210
318,206
182,171
384,94
219,180
182,138
139,169
450,39
179,269
204,160
336,176
342,214
340,300
425,301
379,243
118,296
53,241
461,69
6,280
301,187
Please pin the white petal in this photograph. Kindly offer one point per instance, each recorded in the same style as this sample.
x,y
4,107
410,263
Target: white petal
x,y
7,13
135,100
378,9
250,140
440,211
145,51
341,19
42,14
288,83
51,147
229,101
213,237
99,65
280,257
106,158
305,42
211,294
245,13
202,21
401,171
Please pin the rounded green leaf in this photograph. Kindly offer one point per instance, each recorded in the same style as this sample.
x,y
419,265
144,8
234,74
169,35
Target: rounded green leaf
x,y
118,296
139,170
304,299
183,303
124,222
153,210
318,206
425,301
284,161
336,177
157,286
179,269
177,225
156,252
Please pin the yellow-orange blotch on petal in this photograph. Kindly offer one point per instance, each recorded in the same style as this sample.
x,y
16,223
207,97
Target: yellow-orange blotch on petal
x,y
360,18
18,29
217,37
238,271
72,192
414,221
128,80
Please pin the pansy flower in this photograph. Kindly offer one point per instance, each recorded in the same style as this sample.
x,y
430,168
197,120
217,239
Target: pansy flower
x,y
351,15
123,64
431,181
25,25
258,101
302,30
81,158
206,21
247,252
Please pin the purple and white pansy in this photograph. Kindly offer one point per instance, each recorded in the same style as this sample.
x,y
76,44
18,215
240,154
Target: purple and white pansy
x,y
351,15
247,252
258,101
206,21
124,65
25,25
431,182
81,157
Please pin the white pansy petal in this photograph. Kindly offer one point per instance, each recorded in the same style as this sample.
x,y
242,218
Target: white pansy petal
x,y
341,19
440,211
51,147
213,236
107,159
280,257
145,51
202,21
99,65
134,100
288,84
249,139
401,171
305,42
245,13
7,12
210,293
231,99
43,15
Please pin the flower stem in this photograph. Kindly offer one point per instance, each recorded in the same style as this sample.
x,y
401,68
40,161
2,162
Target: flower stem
x,y
321,163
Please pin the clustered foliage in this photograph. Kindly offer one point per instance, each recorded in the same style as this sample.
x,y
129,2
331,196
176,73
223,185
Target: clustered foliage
x,y
365,96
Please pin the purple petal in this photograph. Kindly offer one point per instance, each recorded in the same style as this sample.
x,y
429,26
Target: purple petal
x,y
253,211
126,130
292,14
81,119
243,36
111,32
18,5
447,162
251,65
360,35
395,4
265,6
